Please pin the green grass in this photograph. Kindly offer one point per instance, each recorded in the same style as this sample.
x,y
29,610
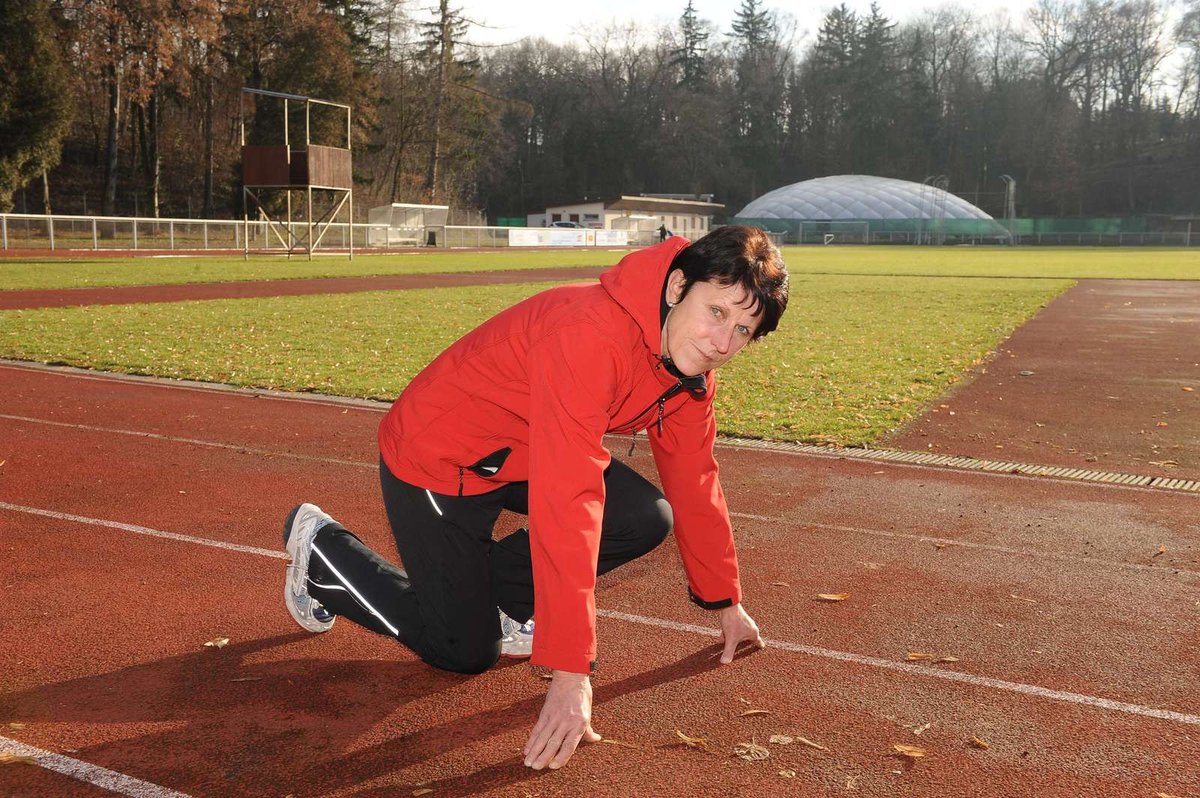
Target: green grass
x,y
1140,263
854,357
52,273
1044,262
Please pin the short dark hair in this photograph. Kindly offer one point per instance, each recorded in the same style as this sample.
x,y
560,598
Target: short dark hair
x,y
735,254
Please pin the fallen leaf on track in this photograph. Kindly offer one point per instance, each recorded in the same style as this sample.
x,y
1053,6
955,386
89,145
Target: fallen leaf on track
x,y
787,774
751,751
945,659
832,596
1165,795
1163,424
9,758
750,712
982,745
218,642
621,743
781,739
910,751
780,584
422,791
922,728
1161,550
939,546
1189,390
1022,598
698,743
248,679
811,744
16,725
919,656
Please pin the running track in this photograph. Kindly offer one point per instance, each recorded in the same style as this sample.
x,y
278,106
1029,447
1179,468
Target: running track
x,y
140,520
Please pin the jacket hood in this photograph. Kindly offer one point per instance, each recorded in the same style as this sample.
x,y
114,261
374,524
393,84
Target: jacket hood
x,y
636,284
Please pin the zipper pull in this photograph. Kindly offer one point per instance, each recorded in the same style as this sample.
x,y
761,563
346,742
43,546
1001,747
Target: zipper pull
x,y
661,402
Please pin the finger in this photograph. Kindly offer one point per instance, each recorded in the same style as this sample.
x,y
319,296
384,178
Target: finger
x,y
542,758
536,737
591,736
731,644
537,743
569,744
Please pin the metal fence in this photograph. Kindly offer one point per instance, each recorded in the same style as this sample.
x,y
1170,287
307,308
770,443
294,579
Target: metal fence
x,y
22,231
55,232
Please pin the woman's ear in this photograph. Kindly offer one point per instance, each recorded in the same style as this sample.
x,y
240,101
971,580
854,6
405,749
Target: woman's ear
x,y
675,283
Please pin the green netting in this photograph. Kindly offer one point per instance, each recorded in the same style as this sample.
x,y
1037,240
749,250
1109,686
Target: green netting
x,y
814,231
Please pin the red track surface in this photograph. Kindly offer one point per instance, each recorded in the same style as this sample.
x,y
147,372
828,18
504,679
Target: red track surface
x,y
120,295
1038,582
1106,377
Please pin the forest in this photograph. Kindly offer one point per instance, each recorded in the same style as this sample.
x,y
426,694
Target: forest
x,y
131,107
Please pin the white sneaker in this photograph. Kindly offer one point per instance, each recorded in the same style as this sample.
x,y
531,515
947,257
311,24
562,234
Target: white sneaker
x,y
516,639
299,531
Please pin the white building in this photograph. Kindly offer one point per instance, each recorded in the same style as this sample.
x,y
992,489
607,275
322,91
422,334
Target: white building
x,y
688,217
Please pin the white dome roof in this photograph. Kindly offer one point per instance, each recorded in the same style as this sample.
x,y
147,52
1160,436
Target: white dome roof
x,y
859,197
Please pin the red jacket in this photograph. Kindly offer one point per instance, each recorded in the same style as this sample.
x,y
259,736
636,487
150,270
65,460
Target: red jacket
x,y
547,378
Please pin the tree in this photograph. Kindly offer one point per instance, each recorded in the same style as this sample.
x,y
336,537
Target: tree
x,y
35,96
690,55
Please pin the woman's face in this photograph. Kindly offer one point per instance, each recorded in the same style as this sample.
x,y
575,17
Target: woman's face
x,y
708,327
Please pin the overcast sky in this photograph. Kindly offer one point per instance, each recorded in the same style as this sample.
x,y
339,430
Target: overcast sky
x,y
561,22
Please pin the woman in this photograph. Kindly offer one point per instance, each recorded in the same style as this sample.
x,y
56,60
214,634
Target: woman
x,y
513,416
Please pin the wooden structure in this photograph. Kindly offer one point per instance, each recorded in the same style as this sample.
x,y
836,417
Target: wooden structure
x,y
289,168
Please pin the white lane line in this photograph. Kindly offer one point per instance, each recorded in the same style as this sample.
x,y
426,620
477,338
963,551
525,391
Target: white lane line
x,y
965,544
661,623
373,405
751,516
191,441
92,774
143,530
925,671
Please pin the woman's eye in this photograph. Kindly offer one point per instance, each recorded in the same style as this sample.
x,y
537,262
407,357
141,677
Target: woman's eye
x,y
743,329
715,311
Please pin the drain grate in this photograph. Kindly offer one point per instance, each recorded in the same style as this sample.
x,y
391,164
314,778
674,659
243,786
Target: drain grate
x,y
972,464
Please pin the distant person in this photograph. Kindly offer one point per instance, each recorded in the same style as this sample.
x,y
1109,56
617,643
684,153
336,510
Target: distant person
x,y
663,233
513,416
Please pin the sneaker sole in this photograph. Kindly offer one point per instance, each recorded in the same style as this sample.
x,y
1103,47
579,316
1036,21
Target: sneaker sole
x,y
308,624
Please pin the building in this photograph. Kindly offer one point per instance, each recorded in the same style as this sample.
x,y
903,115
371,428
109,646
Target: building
x,y
866,208
688,217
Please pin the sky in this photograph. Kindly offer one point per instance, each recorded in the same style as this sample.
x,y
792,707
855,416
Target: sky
x,y
562,22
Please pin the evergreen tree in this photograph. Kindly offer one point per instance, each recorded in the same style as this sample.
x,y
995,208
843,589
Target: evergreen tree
x,y
753,26
690,56
35,95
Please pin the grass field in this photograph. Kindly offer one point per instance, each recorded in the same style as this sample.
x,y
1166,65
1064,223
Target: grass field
x,y
1044,262
854,357
95,273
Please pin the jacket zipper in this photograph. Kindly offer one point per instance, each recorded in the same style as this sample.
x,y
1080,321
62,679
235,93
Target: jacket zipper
x,y
661,402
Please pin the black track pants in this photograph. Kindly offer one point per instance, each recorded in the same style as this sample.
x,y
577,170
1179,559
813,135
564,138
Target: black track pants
x,y
444,607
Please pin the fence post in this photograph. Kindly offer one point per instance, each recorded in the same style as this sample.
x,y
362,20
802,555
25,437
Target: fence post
x,y
135,232
4,228
50,229
205,227
95,238
171,232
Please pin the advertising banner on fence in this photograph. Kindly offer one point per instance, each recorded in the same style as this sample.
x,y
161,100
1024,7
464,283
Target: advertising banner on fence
x,y
565,237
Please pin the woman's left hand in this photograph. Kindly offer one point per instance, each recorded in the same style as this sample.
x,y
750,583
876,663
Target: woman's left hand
x,y
737,627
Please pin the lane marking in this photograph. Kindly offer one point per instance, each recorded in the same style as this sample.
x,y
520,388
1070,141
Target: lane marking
x,y
815,651
965,544
929,461
191,441
143,530
925,671
374,405
79,770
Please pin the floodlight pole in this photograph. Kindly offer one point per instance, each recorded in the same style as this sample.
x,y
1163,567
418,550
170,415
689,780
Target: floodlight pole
x,y
1010,207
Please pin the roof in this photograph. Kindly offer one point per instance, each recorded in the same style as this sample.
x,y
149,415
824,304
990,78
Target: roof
x,y
860,197
659,205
